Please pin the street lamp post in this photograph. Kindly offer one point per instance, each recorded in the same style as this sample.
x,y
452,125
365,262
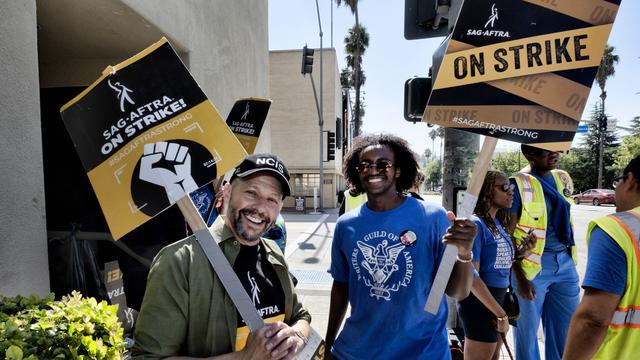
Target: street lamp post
x,y
321,116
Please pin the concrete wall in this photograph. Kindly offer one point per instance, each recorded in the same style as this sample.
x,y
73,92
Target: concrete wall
x,y
23,244
294,118
227,42
224,44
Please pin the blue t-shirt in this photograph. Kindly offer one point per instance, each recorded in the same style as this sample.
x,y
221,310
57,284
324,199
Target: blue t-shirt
x,y
606,264
495,252
552,242
389,282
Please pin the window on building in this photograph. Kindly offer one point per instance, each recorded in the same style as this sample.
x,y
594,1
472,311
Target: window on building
x,y
303,184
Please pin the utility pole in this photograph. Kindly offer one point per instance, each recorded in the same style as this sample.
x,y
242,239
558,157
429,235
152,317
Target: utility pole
x,y
321,116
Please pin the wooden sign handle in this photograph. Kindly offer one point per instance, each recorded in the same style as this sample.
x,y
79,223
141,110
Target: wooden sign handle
x,y
465,211
220,264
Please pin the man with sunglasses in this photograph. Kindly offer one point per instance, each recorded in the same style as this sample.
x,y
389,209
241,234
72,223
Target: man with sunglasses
x,y
605,326
384,257
546,280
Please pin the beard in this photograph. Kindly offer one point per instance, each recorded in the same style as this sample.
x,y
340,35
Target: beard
x,y
244,230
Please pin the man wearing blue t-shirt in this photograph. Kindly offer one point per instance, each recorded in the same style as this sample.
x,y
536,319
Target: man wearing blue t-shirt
x,y
546,280
384,257
606,323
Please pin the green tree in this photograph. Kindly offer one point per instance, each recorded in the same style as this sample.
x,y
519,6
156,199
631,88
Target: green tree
x,y
579,163
358,41
432,174
635,125
605,71
609,145
433,134
427,153
629,149
345,78
509,162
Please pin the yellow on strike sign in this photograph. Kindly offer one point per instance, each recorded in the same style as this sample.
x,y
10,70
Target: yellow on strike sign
x,y
147,135
521,70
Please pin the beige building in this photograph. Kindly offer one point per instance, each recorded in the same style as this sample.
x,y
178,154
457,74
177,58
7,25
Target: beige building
x,y
295,134
51,50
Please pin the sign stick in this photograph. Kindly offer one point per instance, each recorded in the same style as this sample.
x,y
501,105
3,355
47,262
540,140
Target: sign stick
x,y
466,210
220,264
314,348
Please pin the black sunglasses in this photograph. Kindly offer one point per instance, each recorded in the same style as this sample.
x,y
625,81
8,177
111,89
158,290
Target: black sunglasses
x,y
380,165
619,179
506,187
540,152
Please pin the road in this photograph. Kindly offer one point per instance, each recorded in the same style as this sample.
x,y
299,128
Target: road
x,y
308,254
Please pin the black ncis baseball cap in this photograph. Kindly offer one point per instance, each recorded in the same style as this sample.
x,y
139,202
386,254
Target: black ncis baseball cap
x,y
264,162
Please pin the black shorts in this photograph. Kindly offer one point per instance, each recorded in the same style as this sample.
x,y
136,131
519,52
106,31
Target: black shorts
x,y
478,322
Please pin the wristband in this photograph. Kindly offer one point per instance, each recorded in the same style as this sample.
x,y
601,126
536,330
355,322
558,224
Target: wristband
x,y
304,339
465,260
503,318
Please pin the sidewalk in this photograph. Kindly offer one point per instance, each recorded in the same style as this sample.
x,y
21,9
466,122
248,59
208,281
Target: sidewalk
x,y
308,254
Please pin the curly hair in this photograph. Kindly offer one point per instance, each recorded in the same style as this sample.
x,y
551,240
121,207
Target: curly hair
x,y
405,160
485,200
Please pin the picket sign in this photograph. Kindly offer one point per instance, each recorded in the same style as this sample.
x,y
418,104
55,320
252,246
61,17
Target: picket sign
x,y
315,346
466,210
535,96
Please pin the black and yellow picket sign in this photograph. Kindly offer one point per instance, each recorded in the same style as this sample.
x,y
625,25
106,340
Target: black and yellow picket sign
x,y
518,70
246,118
521,70
146,135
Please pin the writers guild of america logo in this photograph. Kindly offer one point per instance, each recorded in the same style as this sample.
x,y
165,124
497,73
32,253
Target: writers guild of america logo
x,y
380,263
488,26
122,93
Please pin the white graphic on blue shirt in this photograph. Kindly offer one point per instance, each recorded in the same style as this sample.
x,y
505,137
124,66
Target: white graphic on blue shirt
x,y
381,262
504,252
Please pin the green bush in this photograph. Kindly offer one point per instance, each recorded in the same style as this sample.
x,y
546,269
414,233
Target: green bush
x,y
73,328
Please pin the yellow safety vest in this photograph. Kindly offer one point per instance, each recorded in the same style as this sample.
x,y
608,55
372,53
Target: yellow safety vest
x,y
352,202
534,216
623,335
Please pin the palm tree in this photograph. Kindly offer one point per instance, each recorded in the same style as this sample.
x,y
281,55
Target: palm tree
x,y
605,71
433,134
358,40
356,43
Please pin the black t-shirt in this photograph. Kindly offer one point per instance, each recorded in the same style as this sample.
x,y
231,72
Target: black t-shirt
x,y
261,282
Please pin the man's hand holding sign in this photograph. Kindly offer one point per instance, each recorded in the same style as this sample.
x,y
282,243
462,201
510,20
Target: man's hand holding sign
x,y
148,136
522,78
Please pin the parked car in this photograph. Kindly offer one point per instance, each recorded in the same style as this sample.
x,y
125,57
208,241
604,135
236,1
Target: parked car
x,y
596,197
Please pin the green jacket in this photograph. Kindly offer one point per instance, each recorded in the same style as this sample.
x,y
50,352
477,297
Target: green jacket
x,y
186,310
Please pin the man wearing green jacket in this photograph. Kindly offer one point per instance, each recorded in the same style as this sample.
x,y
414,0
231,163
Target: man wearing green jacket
x,y
186,313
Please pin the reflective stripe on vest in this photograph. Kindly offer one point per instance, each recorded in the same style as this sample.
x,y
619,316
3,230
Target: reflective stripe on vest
x,y
631,224
629,317
534,215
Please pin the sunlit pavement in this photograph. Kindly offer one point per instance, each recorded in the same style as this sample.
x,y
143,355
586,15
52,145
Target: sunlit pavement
x,y
308,253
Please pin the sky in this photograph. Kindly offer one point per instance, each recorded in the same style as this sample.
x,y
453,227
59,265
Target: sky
x,y
390,60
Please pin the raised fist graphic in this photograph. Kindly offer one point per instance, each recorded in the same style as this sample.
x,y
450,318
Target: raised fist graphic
x,y
168,165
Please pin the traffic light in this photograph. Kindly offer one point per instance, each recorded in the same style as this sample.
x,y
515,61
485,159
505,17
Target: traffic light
x,y
603,122
331,145
307,60
429,18
416,94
